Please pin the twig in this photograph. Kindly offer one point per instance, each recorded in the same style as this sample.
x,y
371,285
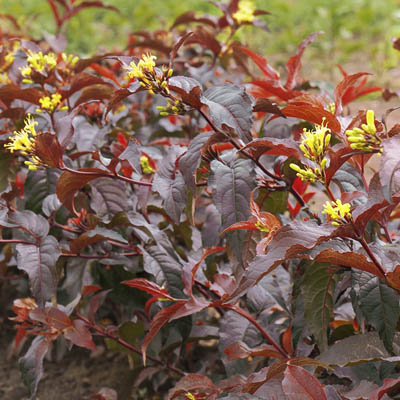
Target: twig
x,y
103,332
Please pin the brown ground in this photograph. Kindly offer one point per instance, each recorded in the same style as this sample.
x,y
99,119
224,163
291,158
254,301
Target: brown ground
x,y
76,377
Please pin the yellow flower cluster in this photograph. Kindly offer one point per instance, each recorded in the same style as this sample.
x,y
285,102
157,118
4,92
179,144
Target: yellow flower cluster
x,y
173,107
152,79
10,56
24,141
50,103
338,213
314,146
4,79
245,12
146,167
316,142
70,60
365,138
38,62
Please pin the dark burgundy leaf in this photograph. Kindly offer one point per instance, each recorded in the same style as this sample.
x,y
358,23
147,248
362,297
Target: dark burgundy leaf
x,y
289,242
39,262
312,114
261,63
266,105
376,201
176,48
230,105
149,287
94,93
158,321
31,364
69,183
190,161
293,65
80,335
299,384
193,383
340,90
49,150
188,88
238,350
274,147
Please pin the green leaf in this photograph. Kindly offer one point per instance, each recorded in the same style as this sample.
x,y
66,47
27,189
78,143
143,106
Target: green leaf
x,y
380,305
232,185
357,349
230,105
318,289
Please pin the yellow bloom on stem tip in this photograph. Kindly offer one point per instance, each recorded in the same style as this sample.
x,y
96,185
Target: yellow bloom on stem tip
x,y
24,141
50,103
365,138
145,65
38,62
337,212
245,12
315,142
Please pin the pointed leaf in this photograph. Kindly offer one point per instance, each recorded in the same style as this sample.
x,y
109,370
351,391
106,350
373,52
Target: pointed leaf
x,y
158,321
149,287
357,349
39,262
293,65
299,384
318,290
288,242
188,88
312,114
69,183
232,186
230,105
190,161
380,306
31,364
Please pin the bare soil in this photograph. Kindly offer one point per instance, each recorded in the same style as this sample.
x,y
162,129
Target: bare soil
x,y
76,377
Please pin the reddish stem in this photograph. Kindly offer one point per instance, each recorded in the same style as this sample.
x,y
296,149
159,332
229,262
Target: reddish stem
x,y
103,332
251,319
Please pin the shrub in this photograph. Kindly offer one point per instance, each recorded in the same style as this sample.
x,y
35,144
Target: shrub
x,y
155,188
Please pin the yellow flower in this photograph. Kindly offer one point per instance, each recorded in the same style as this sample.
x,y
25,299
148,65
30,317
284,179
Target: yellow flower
x,y
4,79
189,396
50,103
146,167
38,62
309,174
153,80
315,142
337,212
24,141
145,65
365,139
245,12
70,59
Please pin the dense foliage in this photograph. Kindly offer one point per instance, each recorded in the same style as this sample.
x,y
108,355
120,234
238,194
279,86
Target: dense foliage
x,y
159,198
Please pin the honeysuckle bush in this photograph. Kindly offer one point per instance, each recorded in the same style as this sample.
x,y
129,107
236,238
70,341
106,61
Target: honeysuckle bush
x,y
157,199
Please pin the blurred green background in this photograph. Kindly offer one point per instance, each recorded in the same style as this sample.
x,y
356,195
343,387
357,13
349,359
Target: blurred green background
x,y
356,31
